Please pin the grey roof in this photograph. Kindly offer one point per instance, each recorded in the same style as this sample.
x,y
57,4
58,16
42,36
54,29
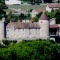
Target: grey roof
x,y
44,16
26,25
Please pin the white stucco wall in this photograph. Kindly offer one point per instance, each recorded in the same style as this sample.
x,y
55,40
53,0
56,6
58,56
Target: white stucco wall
x,y
1,30
48,9
44,29
34,13
15,34
52,21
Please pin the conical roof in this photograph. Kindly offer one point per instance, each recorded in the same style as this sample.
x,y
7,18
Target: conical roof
x,y
44,16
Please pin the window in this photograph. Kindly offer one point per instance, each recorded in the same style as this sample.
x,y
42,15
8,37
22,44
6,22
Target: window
x,y
41,21
29,33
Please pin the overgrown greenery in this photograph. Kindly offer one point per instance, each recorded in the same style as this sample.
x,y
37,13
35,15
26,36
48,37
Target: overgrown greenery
x,y
38,1
31,50
54,14
2,7
36,18
16,17
58,1
2,4
32,1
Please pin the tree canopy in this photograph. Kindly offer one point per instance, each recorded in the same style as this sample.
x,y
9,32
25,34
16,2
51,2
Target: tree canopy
x,y
31,50
2,6
54,14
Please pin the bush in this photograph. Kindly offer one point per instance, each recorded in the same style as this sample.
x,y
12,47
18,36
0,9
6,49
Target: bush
x,y
7,42
31,50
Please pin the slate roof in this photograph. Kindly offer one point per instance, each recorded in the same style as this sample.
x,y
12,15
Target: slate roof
x,y
26,25
44,16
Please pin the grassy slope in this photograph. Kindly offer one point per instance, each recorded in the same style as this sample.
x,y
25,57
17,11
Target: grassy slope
x,y
24,7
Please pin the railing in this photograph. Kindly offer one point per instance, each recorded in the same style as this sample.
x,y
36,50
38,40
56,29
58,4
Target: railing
x,y
53,35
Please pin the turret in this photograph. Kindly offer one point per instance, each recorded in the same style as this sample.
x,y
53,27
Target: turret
x,y
44,26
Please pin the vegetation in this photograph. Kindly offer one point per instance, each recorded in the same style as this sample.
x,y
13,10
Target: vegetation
x,y
2,4
33,1
36,18
2,7
31,50
24,16
58,1
38,1
54,14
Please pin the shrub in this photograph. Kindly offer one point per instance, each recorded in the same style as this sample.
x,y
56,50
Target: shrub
x,y
31,50
7,42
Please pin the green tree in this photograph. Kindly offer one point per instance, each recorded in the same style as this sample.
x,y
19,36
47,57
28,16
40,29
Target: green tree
x,y
36,18
2,6
54,14
57,15
58,1
31,50
9,17
51,14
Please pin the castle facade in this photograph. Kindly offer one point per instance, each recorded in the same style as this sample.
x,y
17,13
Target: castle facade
x,y
27,30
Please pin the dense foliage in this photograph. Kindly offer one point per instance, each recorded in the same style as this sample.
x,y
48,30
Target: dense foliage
x,y
31,50
32,1
2,4
54,14
36,18
2,7
58,1
38,1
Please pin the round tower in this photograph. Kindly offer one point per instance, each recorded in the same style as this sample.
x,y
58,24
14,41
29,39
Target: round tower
x,y
44,26
2,28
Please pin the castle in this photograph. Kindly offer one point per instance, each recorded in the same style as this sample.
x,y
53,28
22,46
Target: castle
x,y
28,30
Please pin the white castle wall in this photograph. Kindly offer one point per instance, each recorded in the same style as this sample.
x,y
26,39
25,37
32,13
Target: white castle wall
x,y
44,29
15,34
1,29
